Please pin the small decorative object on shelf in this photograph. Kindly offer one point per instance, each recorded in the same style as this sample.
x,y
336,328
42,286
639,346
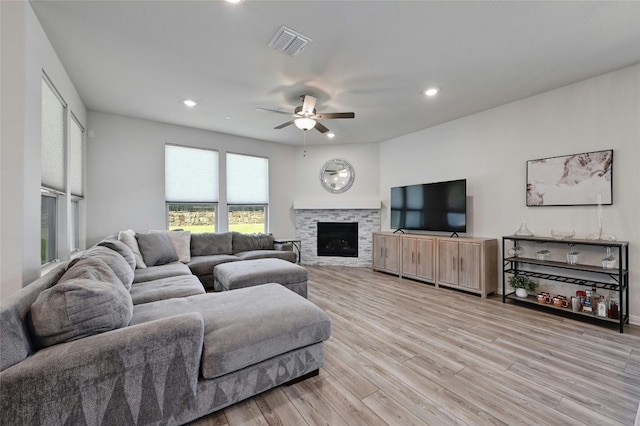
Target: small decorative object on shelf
x,y
515,251
573,256
609,262
522,284
543,254
523,231
562,235
600,235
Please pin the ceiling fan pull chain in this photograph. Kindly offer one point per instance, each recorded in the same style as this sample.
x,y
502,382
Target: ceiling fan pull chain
x,y
304,143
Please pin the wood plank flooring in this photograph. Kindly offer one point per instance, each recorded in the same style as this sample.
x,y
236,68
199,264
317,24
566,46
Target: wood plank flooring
x,y
406,353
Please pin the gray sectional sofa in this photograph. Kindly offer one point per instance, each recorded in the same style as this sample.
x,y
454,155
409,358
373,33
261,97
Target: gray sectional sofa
x,y
99,341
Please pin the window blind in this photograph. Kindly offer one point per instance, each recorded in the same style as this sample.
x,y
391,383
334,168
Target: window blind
x,y
191,175
247,179
53,137
76,135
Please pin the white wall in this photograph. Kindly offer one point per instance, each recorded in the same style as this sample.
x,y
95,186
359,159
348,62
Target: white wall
x,y
126,173
363,158
490,149
26,52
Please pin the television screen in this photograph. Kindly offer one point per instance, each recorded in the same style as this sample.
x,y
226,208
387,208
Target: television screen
x,y
439,206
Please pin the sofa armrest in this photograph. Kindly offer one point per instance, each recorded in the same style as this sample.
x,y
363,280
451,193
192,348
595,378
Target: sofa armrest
x,y
283,246
142,373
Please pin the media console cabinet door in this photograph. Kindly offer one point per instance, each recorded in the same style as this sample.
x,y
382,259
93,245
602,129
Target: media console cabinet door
x,y
448,262
426,256
470,262
386,253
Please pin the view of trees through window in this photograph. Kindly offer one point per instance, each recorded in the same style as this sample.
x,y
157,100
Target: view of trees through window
x,y
194,217
247,219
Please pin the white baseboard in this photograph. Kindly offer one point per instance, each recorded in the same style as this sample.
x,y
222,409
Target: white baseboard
x,y
634,319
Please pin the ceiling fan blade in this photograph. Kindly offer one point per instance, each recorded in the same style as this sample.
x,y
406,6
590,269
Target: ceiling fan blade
x,y
283,125
326,115
308,104
273,110
320,127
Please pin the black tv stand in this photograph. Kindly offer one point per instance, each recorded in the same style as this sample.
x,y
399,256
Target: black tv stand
x,y
454,235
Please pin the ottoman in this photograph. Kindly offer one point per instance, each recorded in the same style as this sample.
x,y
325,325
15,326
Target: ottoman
x,y
248,273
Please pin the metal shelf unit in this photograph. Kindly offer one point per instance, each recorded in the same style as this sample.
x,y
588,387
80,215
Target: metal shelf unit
x,y
607,279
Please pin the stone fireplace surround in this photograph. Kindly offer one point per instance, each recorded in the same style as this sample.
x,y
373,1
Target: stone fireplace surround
x,y
307,228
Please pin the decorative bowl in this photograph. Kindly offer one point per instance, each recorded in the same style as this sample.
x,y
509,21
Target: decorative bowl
x,y
562,235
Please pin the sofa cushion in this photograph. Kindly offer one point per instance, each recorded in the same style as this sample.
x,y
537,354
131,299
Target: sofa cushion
x,y
246,242
129,238
203,265
209,243
246,326
114,261
77,308
161,271
156,248
291,256
90,268
16,342
181,241
121,248
165,288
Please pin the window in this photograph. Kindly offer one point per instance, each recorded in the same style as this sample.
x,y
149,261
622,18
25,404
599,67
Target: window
x,y
75,225
48,219
52,167
76,140
191,188
247,193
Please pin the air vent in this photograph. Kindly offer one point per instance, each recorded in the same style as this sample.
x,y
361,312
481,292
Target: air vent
x,y
288,41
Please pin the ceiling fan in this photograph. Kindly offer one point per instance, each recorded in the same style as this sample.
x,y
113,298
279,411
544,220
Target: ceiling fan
x,y
306,117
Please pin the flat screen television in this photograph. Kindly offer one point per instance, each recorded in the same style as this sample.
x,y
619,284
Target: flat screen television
x,y
438,206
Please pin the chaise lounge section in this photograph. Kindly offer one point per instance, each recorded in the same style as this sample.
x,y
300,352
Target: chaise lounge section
x,y
85,344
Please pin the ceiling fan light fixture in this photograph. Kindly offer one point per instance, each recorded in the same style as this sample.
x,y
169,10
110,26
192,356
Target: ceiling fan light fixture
x,y
305,123
432,91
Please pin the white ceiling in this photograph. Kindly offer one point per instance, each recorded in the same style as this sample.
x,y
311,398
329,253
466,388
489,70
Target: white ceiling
x,y
143,58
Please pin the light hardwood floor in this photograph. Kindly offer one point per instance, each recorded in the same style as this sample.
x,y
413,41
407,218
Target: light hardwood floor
x,y
406,353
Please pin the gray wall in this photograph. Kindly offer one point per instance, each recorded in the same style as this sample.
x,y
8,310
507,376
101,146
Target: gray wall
x,y
126,173
490,149
26,52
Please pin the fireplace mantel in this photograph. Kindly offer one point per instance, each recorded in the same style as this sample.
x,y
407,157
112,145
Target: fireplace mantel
x,y
336,204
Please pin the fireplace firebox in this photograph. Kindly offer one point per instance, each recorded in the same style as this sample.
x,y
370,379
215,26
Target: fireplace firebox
x,y
338,239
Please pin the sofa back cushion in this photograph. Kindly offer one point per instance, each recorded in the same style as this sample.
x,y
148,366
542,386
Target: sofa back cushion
x,y
210,243
247,242
156,248
117,263
121,248
15,340
87,300
181,241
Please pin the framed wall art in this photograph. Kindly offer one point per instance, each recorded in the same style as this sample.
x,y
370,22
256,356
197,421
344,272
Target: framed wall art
x,y
571,180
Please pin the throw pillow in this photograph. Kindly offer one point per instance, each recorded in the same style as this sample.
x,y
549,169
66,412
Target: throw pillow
x,y
129,238
77,308
246,242
181,241
114,261
121,248
210,243
156,248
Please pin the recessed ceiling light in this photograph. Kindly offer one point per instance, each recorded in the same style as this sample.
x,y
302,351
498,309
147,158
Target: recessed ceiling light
x,y
431,92
331,135
234,1
228,117
190,103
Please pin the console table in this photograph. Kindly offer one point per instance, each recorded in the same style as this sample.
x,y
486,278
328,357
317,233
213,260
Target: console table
x,y
297,244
